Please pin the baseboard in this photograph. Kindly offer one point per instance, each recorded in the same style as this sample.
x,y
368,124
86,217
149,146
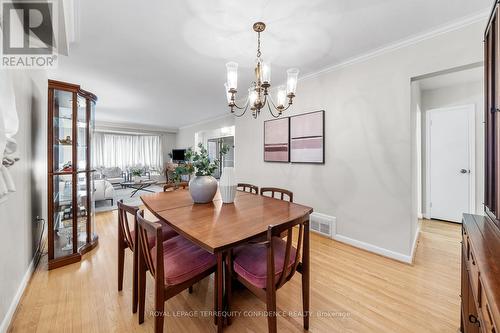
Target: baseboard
x,y
374,249
4,326
415,244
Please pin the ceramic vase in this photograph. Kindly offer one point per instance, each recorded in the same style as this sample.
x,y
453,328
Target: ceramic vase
x,y
203,188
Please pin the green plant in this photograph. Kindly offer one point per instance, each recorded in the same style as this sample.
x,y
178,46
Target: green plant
x,y
135,172
198,162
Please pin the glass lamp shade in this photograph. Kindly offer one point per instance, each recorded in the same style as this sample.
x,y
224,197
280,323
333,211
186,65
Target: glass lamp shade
x,y
228,94
252,96
291,82
281,97
232,75
266,72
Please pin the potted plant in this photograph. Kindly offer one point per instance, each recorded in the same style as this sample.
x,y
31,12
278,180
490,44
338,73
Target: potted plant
x,y
203,185
135,173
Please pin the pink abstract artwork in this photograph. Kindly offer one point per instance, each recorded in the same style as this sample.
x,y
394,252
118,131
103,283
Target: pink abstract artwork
x,y
276,135
307,138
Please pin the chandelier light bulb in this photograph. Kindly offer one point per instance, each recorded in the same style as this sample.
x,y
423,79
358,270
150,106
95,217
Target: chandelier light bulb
x,y
232,75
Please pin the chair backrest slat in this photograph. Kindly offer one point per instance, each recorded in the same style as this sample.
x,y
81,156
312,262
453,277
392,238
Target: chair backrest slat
x,y
273,190
277,231
123,223
147,230
248,188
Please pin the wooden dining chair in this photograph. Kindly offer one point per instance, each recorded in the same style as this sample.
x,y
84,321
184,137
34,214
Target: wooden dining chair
x,y
279,191
174,186
247,188
175,265
264,267
127,238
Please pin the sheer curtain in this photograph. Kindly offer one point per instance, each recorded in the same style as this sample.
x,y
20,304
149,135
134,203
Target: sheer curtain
x,y
124,151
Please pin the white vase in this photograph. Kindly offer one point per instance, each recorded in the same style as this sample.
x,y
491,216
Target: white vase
x,y
227,185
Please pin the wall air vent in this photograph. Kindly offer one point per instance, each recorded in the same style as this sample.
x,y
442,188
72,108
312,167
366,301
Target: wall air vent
x,y
323,224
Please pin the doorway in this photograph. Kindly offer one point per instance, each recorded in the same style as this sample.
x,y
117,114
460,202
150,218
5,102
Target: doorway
x,y
450,155
447,156
214,153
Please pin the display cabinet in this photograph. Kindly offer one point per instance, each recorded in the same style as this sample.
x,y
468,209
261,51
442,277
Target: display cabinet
x,y
71,209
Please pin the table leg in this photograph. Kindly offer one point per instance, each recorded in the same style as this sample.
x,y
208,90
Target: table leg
x,y
305,276
134,192
220,291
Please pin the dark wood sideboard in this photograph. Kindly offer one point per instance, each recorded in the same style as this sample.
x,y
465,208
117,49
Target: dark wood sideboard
x,y
480,275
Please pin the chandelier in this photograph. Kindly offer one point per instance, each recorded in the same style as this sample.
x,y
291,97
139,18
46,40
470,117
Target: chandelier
x,y
258,93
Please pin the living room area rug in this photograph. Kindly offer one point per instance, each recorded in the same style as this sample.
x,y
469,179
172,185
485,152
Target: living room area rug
x,y
125,195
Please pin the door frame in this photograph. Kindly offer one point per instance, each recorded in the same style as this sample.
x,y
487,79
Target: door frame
x,y
472,156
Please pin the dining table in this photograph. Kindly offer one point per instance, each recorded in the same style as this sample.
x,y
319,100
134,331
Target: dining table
x,y
218,227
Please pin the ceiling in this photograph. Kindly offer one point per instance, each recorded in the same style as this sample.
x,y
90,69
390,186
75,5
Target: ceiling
x,y
162,63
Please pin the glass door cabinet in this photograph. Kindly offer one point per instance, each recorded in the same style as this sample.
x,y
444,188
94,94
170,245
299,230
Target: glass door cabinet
x,y
71,209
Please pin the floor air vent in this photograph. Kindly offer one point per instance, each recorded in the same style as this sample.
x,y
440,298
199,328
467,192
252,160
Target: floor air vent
x,y
323,224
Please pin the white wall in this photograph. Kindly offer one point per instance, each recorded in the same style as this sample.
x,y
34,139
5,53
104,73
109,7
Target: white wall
x,y
456,95
20,232
186,135
367,181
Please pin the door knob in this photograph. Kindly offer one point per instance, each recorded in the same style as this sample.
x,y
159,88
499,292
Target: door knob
x,y
463,171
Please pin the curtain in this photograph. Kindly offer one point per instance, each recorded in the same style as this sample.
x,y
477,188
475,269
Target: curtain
x,y
125,151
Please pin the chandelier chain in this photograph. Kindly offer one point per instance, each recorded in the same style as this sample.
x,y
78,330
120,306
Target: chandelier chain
x,y
258,45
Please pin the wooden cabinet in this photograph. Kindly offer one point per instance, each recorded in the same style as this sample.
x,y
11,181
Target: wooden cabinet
x,y
480,291
71,230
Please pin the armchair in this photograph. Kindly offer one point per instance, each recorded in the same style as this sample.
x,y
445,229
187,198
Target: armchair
x,y
104,191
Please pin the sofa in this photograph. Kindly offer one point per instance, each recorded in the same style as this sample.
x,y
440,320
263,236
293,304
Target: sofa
x,y
113,175
104,191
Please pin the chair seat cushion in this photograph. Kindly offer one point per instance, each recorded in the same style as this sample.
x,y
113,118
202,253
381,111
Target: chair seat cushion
x,y
167,233
250,261
183,260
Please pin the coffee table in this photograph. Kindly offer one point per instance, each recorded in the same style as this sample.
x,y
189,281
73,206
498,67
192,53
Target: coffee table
x,y
139,186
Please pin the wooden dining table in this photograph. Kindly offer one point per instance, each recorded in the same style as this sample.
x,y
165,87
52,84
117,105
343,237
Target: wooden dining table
x,y
218,227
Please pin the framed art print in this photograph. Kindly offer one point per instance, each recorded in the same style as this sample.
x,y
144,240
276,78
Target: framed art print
x,y
307,138
276,140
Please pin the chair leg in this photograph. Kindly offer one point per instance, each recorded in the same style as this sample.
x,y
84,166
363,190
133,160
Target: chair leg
x,y
305,276
272,323
121,259
159,308
142,288
216,278
229,281
135,282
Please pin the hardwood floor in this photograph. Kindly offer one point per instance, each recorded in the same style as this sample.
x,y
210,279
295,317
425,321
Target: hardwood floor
x,y
351,291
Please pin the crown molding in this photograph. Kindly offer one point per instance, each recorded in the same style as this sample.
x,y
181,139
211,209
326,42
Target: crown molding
x,y
131,128
207,120
455,25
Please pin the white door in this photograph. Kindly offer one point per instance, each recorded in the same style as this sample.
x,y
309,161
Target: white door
x,y
450,147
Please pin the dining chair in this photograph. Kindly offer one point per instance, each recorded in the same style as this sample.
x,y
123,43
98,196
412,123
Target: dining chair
x,y
175,265
264,267
274,190
247,188
174,186
127,238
